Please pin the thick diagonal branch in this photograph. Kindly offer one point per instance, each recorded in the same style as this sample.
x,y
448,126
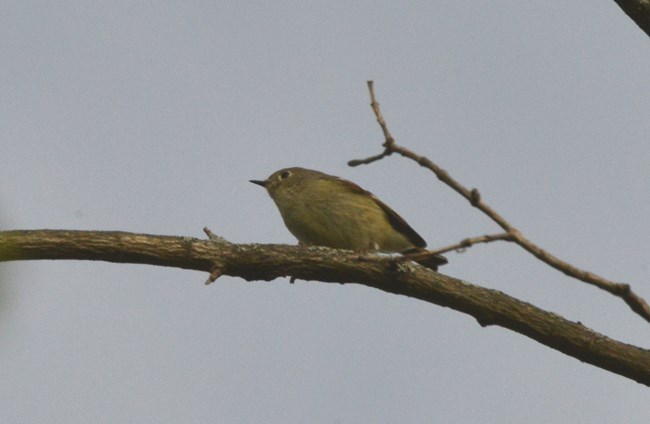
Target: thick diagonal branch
x,y
267,262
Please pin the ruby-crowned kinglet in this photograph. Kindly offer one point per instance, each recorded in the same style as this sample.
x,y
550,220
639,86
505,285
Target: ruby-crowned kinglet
x,y
323,210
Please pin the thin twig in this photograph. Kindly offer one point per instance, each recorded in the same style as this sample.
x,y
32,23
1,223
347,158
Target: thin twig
x,y
213,237
426,254
215,273
458,247
390,141
622,290
371,159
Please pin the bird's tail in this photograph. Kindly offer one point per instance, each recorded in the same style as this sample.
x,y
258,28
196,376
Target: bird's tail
x,y
425,258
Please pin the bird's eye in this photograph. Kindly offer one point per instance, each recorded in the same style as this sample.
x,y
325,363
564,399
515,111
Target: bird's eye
x,y
285,175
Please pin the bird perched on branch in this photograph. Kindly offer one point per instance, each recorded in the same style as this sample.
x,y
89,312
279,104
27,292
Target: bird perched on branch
x,y
324,210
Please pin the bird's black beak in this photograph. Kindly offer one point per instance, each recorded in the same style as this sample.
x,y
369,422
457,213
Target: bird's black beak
x,y
259,183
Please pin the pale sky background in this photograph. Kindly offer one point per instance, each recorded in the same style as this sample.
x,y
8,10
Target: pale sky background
x,y
152,117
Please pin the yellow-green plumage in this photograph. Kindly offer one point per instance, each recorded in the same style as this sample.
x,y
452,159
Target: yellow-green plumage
x,y
324,210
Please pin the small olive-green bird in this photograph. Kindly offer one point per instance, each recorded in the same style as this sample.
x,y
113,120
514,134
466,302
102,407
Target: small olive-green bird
x,y
323,210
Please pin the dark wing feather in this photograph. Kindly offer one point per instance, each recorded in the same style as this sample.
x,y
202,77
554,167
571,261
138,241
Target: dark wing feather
x,y
400,225
395,220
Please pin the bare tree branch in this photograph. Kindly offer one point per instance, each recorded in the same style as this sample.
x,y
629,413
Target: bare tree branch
x,y
426,254
638,11
460,246
267,262
622,290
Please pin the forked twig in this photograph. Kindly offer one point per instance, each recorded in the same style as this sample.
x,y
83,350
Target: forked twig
x,y
622,290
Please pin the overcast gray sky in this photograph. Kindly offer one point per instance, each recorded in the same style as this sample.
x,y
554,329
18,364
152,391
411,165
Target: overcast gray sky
x,y
152,117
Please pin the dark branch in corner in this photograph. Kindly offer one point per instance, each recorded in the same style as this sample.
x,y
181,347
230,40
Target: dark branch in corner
x,y
624,291
638,11
267,262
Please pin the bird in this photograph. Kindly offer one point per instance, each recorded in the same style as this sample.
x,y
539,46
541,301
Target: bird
x,y
325,210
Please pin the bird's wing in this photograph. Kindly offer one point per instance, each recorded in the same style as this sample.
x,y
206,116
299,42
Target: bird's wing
x,y
393,217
